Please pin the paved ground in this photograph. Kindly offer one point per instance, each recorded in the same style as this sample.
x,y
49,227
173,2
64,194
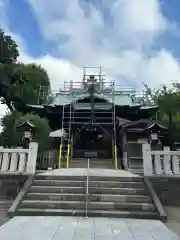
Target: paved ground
x,y
70,228
173,222
91,172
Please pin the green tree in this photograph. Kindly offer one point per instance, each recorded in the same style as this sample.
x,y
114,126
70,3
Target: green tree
x,y
8,49
8,56
168,100
26,83
11,136
31,84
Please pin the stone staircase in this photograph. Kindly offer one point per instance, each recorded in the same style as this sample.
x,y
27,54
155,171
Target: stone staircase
x,y
105,163
108,197
137,171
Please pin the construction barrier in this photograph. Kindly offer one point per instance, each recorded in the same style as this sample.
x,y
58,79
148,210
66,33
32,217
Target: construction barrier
x,y
60,156
67,158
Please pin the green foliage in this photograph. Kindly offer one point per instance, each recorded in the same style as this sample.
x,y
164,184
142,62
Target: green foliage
x,y
26,83
10,136
31,84
8,56
168,100
8,49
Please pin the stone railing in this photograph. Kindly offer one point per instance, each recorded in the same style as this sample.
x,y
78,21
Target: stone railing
x,y
22,161
164,162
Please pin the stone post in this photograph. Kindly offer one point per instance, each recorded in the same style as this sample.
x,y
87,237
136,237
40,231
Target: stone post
x,y
32,158
147,160
167,162
125,155
1,156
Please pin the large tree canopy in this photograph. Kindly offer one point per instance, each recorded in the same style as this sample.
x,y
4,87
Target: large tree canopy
x,y
31,84
26,83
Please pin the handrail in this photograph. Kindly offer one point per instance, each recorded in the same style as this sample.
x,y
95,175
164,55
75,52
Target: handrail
x,y
87,190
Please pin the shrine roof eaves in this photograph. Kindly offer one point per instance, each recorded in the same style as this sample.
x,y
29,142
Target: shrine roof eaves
x,y
119,100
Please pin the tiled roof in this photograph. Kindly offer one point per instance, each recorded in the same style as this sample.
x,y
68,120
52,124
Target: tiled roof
x,y
119,99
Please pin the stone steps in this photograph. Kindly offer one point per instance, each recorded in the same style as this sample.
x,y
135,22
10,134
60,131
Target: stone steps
x,y
83,183
108,197
91,178
91,197
91,213
74,165
5,204
100,190
137,171
93,163
91,205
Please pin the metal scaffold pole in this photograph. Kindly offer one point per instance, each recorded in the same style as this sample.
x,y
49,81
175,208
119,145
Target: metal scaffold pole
x,y
65,152
114,127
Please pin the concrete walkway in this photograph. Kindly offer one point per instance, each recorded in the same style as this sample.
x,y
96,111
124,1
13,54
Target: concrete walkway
x,y
173,222
70,228
90,172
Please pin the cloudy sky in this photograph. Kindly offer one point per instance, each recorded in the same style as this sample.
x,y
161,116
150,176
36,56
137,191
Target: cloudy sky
x,y
133,40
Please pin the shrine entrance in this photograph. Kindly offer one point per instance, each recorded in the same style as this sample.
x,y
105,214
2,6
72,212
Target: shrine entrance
x,y
92,142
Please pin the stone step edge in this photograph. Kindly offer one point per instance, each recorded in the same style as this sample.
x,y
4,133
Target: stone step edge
x,y
82,202
91,194
84,181
96,178
83,187
80,212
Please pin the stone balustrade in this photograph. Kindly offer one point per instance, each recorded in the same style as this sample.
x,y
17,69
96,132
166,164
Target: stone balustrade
x,y
22,161
164,162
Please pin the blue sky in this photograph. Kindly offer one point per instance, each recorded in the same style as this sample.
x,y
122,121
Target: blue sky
x,y
123,36
23,21
133,40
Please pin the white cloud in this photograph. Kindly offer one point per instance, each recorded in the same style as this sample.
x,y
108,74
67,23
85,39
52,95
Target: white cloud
x,y
119,35
59,70
123,45
139,16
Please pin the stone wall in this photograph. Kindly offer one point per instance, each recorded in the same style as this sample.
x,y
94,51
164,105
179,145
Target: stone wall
x,y
168,189
11,185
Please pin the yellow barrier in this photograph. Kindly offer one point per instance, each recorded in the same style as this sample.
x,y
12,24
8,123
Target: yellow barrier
x,y
68,152
114,150
115,157
60,156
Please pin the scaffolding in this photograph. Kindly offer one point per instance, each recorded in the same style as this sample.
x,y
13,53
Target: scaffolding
x,y
66,139
96,114
95,97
